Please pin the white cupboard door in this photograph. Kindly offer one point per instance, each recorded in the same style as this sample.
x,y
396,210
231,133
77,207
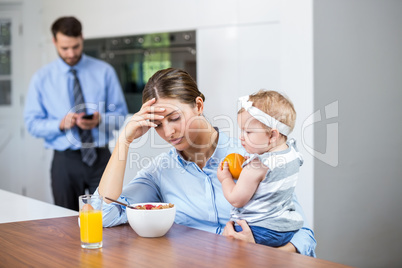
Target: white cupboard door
x,y
11,102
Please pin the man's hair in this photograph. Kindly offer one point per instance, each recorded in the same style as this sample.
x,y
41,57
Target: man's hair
x,y
69,26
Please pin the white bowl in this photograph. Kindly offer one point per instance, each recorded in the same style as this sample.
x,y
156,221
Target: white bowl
x,y
151,223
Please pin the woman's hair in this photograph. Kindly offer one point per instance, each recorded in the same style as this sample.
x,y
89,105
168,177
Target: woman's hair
x,y
172,83
69,26
276,105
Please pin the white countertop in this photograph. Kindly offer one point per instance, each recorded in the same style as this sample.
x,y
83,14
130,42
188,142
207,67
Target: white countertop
x,y
14,207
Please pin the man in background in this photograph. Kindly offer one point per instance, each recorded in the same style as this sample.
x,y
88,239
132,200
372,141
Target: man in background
x,y
74,103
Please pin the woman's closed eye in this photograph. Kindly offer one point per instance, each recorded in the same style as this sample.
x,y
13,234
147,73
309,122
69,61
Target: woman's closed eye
x,y
172,119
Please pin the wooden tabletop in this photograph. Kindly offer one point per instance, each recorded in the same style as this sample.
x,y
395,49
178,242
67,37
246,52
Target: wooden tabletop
x,y
56,243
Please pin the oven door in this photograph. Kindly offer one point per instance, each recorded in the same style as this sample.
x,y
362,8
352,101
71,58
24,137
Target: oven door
x,y
135,66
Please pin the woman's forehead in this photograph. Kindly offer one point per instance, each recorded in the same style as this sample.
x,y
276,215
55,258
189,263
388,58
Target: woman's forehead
x,y
171,105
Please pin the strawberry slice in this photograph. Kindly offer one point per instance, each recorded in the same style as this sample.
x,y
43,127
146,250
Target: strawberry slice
x,y
149,206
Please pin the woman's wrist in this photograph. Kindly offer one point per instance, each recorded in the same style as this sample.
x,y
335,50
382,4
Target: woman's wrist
x,y
121,149
122,140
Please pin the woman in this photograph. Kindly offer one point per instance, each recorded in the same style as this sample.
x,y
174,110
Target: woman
x,y
186,175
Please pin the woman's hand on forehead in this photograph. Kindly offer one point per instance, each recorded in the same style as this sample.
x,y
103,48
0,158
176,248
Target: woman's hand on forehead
x,y
150,111
142,121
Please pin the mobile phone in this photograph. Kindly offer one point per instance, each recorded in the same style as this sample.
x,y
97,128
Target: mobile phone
x,y
88,116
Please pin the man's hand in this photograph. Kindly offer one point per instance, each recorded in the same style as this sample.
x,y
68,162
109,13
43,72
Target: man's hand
x,y
68,121
245,235
88,123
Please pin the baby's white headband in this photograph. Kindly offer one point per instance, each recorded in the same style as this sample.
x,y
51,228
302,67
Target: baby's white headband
x,y
263,117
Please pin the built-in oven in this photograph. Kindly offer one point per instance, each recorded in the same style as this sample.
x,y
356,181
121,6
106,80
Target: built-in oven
x,y
136,58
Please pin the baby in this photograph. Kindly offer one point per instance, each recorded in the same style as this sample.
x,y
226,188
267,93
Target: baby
x,y
263,193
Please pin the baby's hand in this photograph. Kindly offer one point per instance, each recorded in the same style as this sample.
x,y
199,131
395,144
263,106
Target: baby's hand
x,y
223,172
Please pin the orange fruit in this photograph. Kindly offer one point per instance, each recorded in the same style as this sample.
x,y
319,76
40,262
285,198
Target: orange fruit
x,y
234,162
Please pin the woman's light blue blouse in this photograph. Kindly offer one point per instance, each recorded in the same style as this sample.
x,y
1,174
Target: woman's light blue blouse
x,y
196,193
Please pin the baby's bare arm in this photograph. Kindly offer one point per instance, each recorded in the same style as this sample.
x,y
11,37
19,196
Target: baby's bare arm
x,y
238,194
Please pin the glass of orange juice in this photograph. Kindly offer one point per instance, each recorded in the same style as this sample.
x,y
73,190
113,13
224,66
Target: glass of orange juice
x,y
91,221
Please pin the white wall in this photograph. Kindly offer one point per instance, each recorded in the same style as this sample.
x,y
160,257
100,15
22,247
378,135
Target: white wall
x,y
358,62
27,161
296,78
242,46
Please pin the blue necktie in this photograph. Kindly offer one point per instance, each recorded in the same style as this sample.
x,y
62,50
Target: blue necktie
x,y
88,151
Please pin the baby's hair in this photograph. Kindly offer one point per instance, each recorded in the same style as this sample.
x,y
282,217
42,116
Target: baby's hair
x,y
276,105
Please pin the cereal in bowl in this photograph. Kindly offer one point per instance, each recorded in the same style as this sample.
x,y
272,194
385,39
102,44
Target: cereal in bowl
x,y
151,207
